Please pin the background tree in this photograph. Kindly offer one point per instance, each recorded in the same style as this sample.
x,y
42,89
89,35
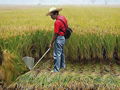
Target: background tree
x,y
106,2
92,1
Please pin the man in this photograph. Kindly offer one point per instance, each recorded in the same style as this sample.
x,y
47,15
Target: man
x,y
58,39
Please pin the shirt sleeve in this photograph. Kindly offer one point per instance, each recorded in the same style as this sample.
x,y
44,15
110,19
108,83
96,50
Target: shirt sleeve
x,y
56,27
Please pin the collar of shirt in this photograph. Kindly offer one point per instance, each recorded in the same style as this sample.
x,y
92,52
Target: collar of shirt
x,y
59,17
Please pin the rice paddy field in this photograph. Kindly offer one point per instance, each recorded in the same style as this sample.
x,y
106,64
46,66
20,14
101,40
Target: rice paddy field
x,y
92,53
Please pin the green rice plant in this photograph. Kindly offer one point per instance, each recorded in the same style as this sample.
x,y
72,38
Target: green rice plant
x,y
68,79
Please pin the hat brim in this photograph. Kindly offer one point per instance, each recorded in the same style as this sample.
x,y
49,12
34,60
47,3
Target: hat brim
x,y
49,13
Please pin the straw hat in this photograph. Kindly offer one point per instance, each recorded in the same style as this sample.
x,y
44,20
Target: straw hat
x,y
53,9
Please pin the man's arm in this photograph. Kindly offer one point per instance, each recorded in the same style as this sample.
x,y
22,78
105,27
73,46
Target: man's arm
x,y
53,39
56,30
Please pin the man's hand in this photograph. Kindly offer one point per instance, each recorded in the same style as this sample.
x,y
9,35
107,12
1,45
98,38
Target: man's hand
x,y
53,39
51,45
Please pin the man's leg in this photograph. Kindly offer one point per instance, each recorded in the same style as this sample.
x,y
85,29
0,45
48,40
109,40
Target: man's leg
x,y
62,64
57,56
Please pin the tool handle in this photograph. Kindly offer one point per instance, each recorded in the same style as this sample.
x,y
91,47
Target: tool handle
x,y
41,58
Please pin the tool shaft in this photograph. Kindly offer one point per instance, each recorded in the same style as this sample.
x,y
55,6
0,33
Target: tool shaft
x,y
41,58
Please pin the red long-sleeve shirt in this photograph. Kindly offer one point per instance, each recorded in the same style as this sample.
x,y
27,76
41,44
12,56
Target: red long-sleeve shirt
x,y
59,25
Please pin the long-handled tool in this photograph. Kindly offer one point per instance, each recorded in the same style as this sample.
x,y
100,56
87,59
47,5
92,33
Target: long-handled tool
x,y
41,58
29,61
